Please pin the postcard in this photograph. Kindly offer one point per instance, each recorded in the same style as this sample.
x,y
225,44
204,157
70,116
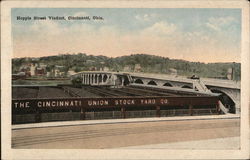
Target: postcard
x,y
125,80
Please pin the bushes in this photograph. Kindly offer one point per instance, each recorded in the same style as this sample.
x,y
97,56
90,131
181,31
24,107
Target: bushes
x,y
77,82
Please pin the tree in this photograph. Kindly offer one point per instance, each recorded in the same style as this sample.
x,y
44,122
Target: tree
x,y
77,82
77,69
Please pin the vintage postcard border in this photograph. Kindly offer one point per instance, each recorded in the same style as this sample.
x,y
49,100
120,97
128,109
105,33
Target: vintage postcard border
x,y
6,55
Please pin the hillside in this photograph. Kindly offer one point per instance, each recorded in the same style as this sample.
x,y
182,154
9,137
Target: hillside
x,y
135,62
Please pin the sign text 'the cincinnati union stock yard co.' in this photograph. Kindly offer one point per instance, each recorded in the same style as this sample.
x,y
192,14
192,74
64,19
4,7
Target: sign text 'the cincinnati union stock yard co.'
x,y
49,103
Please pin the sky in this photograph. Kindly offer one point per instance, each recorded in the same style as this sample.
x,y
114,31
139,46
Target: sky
x,y
200,35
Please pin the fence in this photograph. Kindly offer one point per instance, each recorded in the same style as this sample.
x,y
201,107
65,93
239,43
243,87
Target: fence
x,y
103,115
70,116
140,114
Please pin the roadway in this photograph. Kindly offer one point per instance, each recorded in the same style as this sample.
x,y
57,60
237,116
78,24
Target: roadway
x,y
207,81
125,135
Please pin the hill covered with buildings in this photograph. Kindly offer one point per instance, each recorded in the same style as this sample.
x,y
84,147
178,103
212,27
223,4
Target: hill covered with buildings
x,y
64,65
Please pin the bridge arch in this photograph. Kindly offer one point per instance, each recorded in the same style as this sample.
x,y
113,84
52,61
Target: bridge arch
x,y
139,81
152,83
122,80
187,86
105,77
168,84
226,100
126,80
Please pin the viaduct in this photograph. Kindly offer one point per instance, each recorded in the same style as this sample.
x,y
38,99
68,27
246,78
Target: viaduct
x,y
229,90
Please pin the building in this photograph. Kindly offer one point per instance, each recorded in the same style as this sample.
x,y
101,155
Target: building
x,y
71,72
106,69
127,68
40,71
137,68
173,71
20,75
32,70
56,72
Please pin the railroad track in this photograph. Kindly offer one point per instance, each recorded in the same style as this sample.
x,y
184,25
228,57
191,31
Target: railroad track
x,y
150,92
24,92
87,91
70,92
100,91
22,141
51,92
120,91
162,90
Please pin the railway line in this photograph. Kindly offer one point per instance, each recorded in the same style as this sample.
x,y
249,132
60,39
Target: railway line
x,y
87,91
51,92
148,92
24,92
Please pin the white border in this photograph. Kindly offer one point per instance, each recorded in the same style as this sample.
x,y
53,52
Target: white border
x,y
6,54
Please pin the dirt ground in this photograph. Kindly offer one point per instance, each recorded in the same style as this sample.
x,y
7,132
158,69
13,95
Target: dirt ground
x,y
100,136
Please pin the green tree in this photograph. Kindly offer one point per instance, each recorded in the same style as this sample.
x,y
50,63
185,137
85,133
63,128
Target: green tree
x,y
77,82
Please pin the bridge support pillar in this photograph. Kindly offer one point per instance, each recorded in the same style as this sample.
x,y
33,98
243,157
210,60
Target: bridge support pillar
x,y
91,79
102,78
85,79
94,78
122,81
98,79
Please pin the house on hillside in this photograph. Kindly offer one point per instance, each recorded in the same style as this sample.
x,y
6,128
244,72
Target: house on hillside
x,y
71,72
137,68
127,68
25,69
172,71
40,71
106,69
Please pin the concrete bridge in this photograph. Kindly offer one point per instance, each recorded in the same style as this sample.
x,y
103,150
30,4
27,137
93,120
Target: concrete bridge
x,y
229,90
104,78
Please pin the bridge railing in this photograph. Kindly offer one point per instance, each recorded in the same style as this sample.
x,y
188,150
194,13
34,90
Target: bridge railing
x,y
177,78
223,83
